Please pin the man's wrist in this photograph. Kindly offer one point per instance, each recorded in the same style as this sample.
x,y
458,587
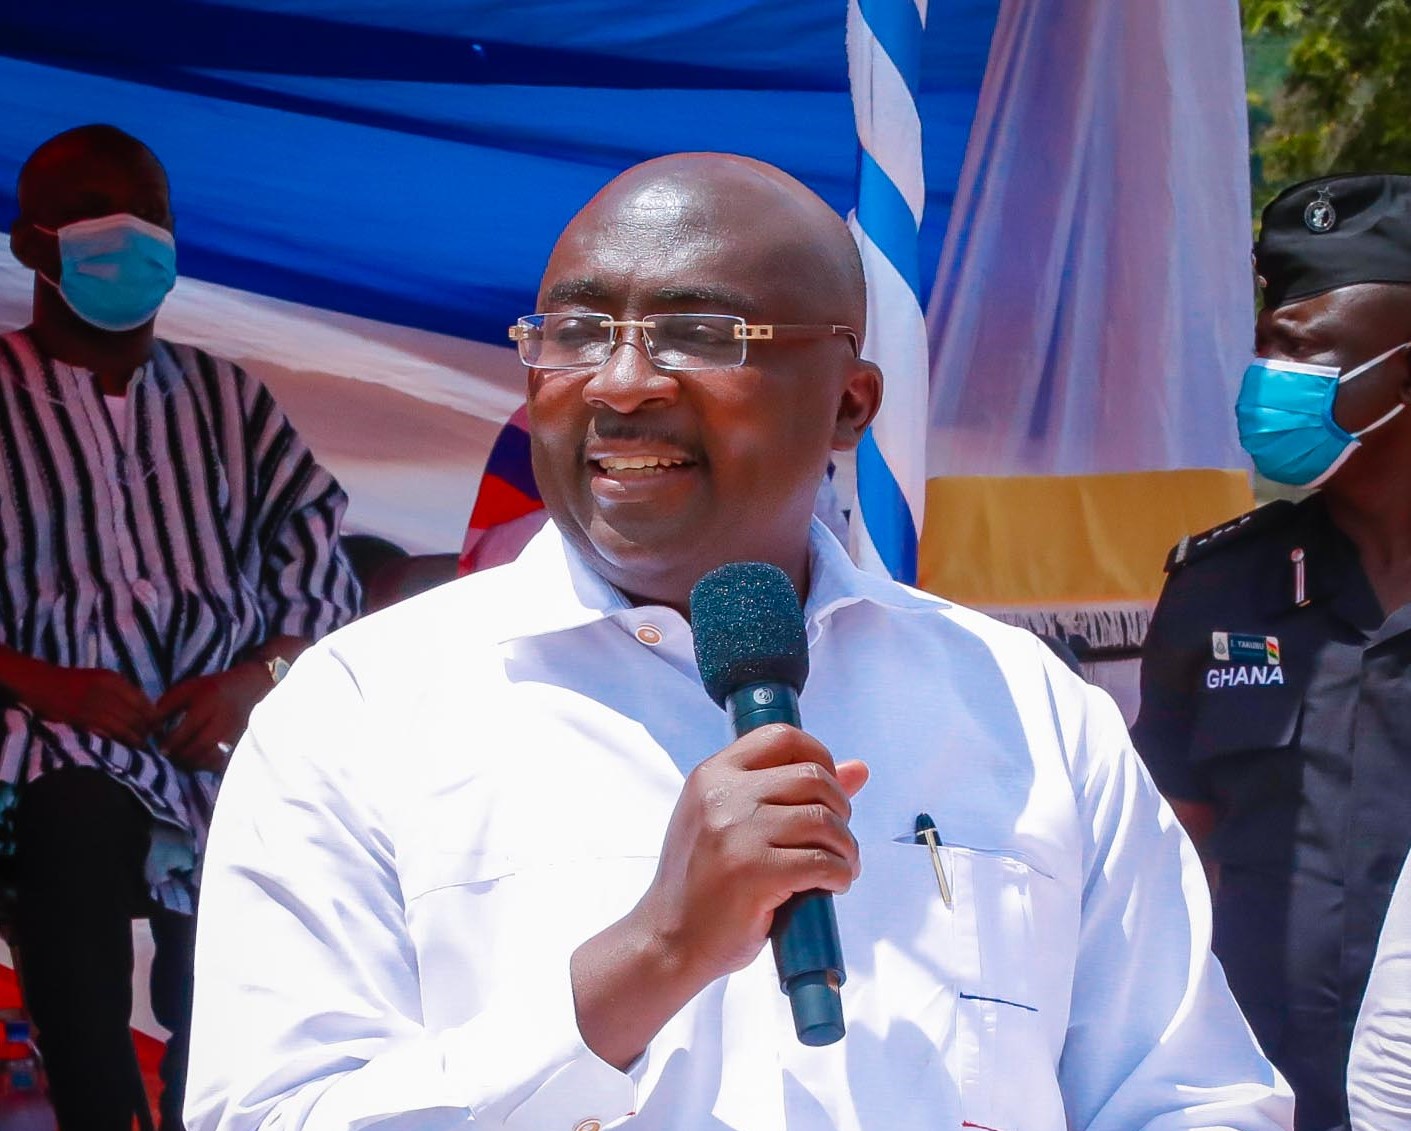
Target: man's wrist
x,y
277,667
628,983
276,655
265,670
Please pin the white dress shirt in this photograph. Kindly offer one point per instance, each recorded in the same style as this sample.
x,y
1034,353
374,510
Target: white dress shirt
x,y
442,801
1379,1071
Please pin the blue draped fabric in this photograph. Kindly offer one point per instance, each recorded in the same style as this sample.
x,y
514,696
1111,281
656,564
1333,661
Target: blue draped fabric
x,y
411,160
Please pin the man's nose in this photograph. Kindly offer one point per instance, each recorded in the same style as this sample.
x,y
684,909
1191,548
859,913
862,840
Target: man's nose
x,y
629,380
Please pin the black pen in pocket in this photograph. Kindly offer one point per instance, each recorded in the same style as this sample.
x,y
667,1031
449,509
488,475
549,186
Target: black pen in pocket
x,y
926,834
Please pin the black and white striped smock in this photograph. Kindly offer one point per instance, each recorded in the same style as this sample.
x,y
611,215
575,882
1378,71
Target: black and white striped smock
x,y
162,552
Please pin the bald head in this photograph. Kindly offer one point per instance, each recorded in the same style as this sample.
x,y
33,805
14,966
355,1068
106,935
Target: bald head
x,y
658,473
86,155
83,174
772,228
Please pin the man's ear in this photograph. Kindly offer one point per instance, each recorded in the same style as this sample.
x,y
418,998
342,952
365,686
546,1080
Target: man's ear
x,y
862,397
1404,357
25,244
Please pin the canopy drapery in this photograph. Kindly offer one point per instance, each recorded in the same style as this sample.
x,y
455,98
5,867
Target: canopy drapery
x,y
366,192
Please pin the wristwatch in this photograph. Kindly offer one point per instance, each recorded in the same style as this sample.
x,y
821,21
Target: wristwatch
x,y
278,668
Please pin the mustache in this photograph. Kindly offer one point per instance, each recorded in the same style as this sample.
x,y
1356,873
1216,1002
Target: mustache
x,y
616,428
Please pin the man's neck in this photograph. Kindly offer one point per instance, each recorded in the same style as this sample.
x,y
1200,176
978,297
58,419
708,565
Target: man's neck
x,y
112,356
674,597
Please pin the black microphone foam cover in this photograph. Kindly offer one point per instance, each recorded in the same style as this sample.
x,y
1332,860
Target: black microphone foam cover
x,y
748,628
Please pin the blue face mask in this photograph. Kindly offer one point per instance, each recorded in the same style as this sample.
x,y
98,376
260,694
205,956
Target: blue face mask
x,y
1285,416
114,270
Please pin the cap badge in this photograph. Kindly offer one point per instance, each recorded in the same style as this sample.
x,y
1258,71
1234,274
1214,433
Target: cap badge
x,y
1320,215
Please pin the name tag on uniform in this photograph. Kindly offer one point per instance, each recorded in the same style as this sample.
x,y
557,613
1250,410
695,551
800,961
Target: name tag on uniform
x,y
1253,661
1238,648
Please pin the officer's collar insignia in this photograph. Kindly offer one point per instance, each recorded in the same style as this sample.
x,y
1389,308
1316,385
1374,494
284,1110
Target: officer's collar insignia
x,y
1242,648
1320,215
1300,576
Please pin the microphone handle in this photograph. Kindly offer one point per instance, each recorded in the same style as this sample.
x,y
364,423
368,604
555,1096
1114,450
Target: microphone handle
x,y
807,950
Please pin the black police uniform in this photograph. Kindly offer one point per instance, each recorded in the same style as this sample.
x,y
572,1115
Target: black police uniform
x,y
1274,687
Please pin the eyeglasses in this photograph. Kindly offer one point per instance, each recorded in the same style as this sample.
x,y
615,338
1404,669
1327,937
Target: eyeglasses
x,y
577,340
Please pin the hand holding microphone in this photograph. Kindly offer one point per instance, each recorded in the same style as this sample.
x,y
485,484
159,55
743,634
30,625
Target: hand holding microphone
x,y
763,819
752,650
756,844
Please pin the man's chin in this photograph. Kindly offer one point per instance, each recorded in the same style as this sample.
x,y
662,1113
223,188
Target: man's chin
x,y
657,564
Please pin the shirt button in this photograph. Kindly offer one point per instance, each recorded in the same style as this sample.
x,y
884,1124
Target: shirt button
x,y
590,1125
649,635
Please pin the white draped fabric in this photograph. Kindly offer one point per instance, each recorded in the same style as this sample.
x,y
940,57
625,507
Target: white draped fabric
x,y
1093,310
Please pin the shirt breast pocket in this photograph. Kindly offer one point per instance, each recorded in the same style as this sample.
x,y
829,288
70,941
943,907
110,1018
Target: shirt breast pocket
x,y
489,921
1245,754
1242,740
950,986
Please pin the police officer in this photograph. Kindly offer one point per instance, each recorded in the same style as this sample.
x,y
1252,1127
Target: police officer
x,y
1276,677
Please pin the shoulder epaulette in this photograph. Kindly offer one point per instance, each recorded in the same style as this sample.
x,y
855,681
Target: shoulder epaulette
x,y
1194,547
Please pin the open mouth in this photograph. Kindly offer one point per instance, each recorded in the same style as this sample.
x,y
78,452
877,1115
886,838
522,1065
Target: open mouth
x,y
621,467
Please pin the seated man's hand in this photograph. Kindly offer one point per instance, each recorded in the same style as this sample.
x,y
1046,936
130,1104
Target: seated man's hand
x,y
95,700
208,710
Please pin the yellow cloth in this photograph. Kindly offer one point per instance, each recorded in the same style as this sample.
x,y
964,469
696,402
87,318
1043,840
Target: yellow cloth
x,y
1070,540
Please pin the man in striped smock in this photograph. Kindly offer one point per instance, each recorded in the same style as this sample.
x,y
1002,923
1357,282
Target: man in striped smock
x,y
168,545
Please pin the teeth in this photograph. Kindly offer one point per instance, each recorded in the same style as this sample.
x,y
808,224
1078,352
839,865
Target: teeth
x,y
636,463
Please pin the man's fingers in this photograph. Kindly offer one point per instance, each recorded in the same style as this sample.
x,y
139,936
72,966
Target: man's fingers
x,y
852,776
197,756
117,696
137,709
806,826
809,868
122,729
803,783
120,711
776,745
181,744
176,699
203,751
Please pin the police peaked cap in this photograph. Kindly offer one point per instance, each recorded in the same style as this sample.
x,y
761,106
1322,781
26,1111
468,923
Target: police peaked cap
x,y
1333,232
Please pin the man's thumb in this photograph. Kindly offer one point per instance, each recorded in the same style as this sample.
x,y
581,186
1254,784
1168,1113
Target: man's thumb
x,y
852,776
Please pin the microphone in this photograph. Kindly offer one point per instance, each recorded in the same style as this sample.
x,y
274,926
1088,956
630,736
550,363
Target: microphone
x,y
752,650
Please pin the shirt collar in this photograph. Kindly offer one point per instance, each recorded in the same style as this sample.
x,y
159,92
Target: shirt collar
x,y
835,582
569,593
32,371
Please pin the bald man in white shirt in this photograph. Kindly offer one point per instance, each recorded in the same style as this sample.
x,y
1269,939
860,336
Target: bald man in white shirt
x,y
492,856
1379,1070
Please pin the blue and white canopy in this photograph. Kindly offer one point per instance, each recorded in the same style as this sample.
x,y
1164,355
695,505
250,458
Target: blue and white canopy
x,y
366,192
409,163
412,161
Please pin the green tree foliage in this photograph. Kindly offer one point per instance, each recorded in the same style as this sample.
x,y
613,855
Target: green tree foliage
x,y
1345,103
